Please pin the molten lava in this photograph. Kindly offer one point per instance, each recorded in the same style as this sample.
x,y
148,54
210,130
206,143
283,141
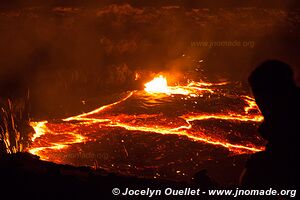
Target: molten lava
x,y
159,85
188,111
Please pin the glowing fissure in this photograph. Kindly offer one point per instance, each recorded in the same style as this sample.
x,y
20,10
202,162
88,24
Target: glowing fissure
x,y
155,87
98,110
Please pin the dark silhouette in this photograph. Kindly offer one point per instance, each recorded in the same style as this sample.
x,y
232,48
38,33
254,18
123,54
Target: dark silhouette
x,y
278,99
203,180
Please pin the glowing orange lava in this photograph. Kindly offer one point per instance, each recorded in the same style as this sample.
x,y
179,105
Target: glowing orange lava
x,y
74,130
159,85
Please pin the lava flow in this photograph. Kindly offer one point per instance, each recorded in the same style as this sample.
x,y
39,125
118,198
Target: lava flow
x,y
159,109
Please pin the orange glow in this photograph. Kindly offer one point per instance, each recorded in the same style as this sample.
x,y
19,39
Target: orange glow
x,y
42,129
180,131
75,129
159,85
102,108
137,76
39,128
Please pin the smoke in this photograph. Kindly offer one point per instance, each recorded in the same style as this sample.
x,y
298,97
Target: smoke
x,y
69,52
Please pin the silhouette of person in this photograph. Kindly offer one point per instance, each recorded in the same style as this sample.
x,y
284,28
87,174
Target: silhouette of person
x,y
278,99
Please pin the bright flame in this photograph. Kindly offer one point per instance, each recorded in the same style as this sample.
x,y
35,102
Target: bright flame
x,y
158,85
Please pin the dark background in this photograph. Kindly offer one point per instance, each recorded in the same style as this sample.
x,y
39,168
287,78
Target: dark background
x,y
60,53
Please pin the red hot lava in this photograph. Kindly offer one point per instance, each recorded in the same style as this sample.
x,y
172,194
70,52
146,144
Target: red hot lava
x,y
188,111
